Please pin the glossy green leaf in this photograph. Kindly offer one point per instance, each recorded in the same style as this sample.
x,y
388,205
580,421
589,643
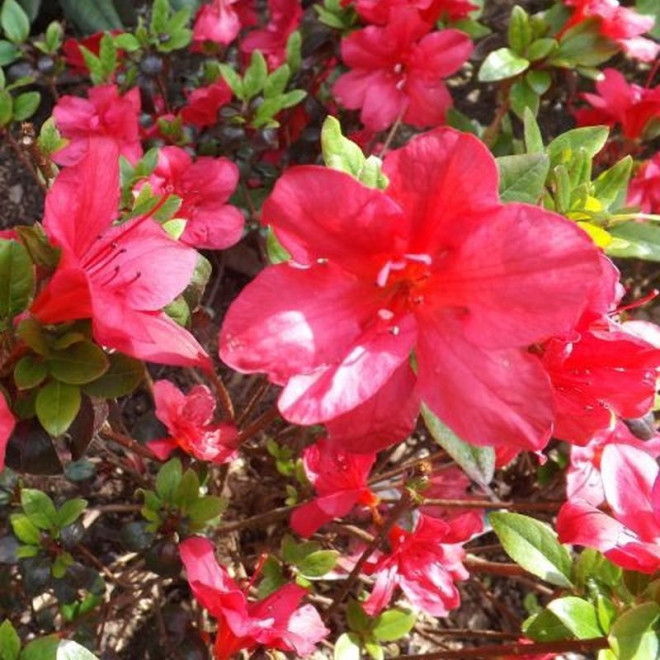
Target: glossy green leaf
x,y
477,462
39,508
16,280
10,642
347,647
67,649
123,375
14,21
24,529
25,105
635,635
590,138
637,239
168,479
545,627
57,405
392,625
502,64
534,546
81,363
522,177
519,34
207,508
612,184
70,511
29,372
43,648
317,564
8,52
255,75
578,615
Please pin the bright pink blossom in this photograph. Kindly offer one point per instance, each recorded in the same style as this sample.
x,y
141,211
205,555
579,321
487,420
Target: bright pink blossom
x,y
397,71
584,480
189,421
106,113
284,18
434,265
631,536
340,479
204,188
7,423
424,563
620,24
644,189
379,11
599,370
119,276
619,102
203,104
450,483
222,20
276,622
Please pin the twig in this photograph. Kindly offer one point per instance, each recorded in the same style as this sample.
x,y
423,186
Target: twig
x,y
548,505
259,519
260,423
128,443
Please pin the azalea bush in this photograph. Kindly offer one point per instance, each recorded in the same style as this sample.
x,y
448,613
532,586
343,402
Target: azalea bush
x,y
333,332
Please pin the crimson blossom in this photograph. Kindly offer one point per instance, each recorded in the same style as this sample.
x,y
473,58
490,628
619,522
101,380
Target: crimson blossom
x,y
119,276
631,536
644,188
7,423
204,188
340,479
276,622
433,266
106,113
189,421
620,102
620,24
397,71
378,11
222,20
424,563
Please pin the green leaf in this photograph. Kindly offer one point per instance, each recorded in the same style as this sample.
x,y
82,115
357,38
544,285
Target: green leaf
x,y
612,184
392,625
522,97
340,153
70,511
90,17
477,462
583,45
57,405
294,51
255,75
10,642
522,177
501,64
82,362
108,56
206,508
16,280
39,508
347,647
316,564
25,105
29,372
635,239
635,635
545,627
533,137
234,81
374,649
276,252
188,490
651,8
606,611
534,546
8,52
122,376
160,12
519,34
24,529
590,138
14,21
541,48
69,650
44,648
538,81
127,42
277,81
356,617
6,107
578,615
168,479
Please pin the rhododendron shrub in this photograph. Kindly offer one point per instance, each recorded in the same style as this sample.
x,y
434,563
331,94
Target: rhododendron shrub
x,y
403,270
367,209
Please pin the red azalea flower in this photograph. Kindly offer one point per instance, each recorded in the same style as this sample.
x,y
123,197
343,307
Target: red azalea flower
x,y
379,11
284,18
631,538
222,20
119,276
450,483
644,188
189,421
204,188
7,423
620,24
105,114
424,563
73,55
276,622
204,102
599,370
584,480
433,265
397,71
617,102
339,478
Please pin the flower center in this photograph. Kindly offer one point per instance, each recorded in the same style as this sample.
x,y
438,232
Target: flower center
x,y
406,276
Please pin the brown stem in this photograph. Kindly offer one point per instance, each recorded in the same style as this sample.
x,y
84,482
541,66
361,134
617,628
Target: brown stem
x,y
403,504
258,520
394,472
549,505
223,395
22,156
470,633
41,161
260,423
493,129
479,565
392,133
494,651
128,443
256,395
